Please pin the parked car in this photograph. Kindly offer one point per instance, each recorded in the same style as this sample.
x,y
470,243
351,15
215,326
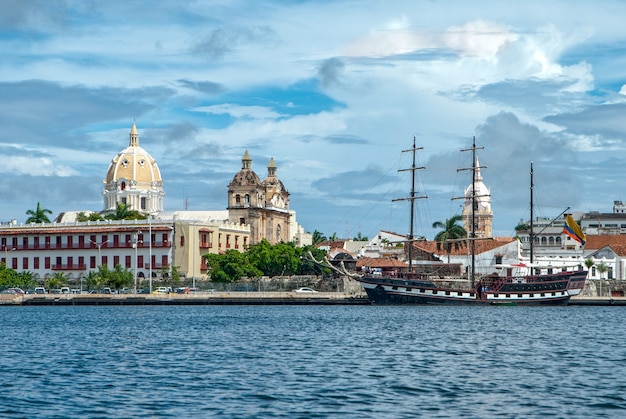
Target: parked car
x,y
65,290
162,290
125,290
17,290
40,290
305,290
106,291
14,291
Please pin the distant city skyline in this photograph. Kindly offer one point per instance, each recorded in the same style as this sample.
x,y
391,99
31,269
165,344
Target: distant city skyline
x,y
333,91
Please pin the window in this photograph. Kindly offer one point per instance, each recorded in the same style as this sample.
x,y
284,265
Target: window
x,y
498,260
164,261
36,262
237,199
24,263
140,261
105,261
116,261
128,262
144,203
46,262
182,241
92,262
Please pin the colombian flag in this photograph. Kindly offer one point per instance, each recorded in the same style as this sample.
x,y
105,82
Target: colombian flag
x,y
572,229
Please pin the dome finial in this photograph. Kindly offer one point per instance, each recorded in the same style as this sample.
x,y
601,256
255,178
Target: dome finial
x,y
246,161
134,135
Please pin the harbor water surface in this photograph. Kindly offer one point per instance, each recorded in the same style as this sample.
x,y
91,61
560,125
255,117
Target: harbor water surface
x,y
312,361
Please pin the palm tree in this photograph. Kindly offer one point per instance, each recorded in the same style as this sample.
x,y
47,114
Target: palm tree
x,y
318,237
123,212
602,268
449,235
38,216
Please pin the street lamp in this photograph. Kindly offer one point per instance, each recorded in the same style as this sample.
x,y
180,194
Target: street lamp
x,y
6,255
99,246
136,242
150,251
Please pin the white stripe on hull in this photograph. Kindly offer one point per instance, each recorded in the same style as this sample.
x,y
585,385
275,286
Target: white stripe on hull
x,y
470,296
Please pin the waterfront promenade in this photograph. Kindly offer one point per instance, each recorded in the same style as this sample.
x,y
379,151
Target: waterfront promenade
x,y
199,298
232,298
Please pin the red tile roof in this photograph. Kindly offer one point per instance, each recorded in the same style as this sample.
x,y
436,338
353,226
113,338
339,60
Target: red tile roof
x,y
430,246
616,242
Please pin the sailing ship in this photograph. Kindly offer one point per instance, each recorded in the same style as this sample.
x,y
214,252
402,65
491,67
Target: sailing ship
x,y
519,284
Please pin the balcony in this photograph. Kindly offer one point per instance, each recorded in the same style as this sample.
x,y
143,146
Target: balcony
x,y
72,267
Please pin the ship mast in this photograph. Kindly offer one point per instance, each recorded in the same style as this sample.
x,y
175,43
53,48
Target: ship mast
x,y
411,198
472,233
531,234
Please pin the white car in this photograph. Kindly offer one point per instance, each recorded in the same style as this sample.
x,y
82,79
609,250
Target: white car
x,y
305,290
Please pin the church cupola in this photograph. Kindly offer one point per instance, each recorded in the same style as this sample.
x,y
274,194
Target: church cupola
x,y
133,179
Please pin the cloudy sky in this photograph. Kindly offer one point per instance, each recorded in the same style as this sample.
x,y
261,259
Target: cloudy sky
x,y
332,90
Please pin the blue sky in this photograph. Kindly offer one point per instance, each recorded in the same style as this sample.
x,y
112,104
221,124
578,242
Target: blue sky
x,y
332,90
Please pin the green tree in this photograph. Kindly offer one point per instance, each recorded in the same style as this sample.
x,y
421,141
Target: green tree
x,y
280,259
231,266
448,237
318,237
39,215
522,227
81,217
93,280
123,212
120,277
8,277
308,266
57,281
360,238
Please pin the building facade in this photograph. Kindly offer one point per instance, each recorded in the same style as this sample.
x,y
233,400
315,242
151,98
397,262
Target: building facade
x,y
264,205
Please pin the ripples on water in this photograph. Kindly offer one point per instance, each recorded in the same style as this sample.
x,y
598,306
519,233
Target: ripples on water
x,y
312,362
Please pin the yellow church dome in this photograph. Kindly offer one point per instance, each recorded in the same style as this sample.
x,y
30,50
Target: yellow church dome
x,y
133,178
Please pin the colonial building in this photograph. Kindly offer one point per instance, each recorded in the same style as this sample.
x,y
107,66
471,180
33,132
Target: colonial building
x,y
166,239
264,205
150,248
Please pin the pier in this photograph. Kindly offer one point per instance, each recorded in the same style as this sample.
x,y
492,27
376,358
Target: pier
x,y
201,298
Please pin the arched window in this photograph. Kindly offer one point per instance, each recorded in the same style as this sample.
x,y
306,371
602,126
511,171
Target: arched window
x,y
123,186
237,199
247,199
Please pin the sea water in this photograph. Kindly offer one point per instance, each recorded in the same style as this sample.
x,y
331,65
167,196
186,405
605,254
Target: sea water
x,y
312,362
